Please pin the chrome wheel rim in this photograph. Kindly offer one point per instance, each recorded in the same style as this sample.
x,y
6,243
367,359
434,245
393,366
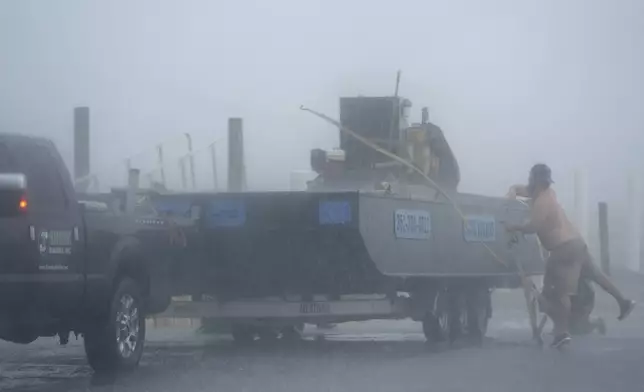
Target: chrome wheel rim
x,y
127,326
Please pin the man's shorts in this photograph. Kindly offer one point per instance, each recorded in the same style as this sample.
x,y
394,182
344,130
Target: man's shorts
x,y
564,267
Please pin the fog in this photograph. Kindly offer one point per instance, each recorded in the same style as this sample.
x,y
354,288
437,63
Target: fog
x,y
510,82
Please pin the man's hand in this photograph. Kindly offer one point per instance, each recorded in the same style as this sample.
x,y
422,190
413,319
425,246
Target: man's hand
x,y
517,191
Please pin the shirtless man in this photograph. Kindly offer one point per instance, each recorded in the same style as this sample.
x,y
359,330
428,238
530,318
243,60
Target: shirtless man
x,y
569,256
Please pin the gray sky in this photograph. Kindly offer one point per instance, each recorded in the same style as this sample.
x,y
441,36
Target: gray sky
x,y
511,82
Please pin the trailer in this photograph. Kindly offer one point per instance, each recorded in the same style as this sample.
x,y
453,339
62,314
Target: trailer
x,y
368,239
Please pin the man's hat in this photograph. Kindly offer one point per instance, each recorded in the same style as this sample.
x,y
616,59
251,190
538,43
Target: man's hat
x,y
542,172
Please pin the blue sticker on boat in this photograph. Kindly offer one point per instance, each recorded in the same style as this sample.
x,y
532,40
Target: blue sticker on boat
x,y
173,207
334,212
479,228
227,213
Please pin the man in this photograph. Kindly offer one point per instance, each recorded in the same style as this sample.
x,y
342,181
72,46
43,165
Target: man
x,y
569,256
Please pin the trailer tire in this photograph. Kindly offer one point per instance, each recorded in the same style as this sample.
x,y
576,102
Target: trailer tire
x,y
125,321
436,324
478,314
267,334
293,333
243,334
458,316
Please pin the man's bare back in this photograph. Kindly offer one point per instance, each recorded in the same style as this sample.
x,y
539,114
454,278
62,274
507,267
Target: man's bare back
x,y
548,219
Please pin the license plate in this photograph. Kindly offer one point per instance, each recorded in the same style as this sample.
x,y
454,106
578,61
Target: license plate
x,y
314,307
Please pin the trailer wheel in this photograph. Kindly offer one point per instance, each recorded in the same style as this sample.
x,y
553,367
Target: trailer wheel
x,y
293,332
116,342
479,306
243,334
436,324
267,334
458,317
478,313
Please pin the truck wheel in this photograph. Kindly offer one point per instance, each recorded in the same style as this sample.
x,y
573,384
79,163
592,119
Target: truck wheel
x,y
117,342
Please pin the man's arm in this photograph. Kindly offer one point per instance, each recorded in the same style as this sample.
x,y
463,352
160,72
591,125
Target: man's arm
x,y
518,190
538,216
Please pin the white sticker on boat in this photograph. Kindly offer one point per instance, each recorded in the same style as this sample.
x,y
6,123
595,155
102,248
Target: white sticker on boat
x,y
412,224
479,228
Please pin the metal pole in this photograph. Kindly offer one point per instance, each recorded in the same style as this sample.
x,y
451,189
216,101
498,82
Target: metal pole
x,y
161,169
397,83
213,158
182,167
604,243
192,162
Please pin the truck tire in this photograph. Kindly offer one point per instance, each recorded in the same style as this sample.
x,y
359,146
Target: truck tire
x,y
116,343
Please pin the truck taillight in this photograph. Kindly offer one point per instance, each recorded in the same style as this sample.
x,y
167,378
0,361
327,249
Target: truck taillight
x,y
13,203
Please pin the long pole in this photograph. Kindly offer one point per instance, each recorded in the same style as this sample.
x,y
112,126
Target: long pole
x,y
192,162
182,168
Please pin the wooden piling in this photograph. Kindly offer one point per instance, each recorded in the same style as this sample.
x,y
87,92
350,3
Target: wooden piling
x,y
81,148
235,155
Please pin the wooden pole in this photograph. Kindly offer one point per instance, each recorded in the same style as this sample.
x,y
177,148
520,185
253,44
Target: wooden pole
x,y
81,147
182,168
191,157
132,188
235,155
604,242
213,161
161,163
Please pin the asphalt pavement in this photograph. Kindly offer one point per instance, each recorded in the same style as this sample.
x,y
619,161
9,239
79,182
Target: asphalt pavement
x,y
367,356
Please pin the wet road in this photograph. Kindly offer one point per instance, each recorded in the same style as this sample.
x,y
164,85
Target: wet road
x,y
373,356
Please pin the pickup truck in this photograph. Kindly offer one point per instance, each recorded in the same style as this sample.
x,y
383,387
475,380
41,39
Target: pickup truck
x,y
72,266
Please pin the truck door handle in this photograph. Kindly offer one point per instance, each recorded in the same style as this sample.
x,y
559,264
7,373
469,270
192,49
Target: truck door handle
x,y
76,234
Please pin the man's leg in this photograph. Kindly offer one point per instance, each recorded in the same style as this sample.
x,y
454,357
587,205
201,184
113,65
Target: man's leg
x,y
556,292
594,273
